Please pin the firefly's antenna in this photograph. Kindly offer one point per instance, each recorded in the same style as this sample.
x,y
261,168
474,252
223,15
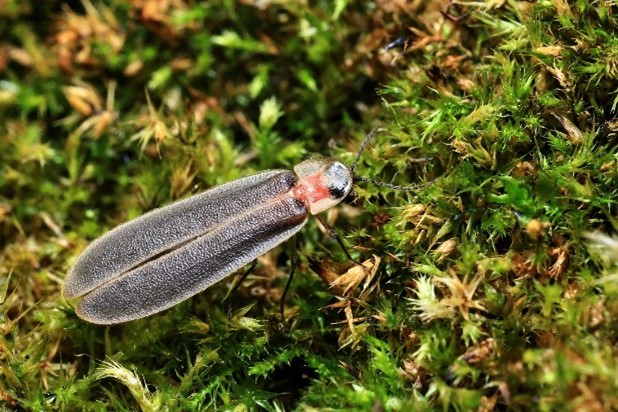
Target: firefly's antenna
x,y
361,149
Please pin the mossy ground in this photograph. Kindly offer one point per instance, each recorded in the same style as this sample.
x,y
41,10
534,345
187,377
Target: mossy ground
x,y
497,284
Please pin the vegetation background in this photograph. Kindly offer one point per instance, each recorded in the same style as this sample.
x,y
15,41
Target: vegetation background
x,y
493,285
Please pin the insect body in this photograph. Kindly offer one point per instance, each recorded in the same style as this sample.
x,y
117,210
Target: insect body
x,y
169,254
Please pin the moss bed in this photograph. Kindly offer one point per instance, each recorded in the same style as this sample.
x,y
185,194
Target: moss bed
x,y
493,283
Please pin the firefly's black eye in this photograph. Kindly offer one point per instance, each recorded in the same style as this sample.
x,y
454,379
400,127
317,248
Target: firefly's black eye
x,y
336,192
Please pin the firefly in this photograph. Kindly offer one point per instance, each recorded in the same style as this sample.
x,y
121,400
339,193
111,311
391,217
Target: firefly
x,y
166,256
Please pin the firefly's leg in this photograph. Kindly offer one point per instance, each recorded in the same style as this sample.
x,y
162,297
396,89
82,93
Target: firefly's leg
x,y
238,280
293,262
336,236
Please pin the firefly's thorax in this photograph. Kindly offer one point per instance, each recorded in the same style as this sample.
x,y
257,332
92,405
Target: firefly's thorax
x,y
322,183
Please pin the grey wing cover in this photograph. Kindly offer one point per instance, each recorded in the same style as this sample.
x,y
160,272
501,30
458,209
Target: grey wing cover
x,y
131,244
191,268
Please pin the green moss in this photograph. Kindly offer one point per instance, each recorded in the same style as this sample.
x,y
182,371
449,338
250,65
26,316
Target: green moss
x,y
496,287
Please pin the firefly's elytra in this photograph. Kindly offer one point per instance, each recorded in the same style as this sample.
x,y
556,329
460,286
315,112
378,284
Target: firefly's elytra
x,y
170,254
